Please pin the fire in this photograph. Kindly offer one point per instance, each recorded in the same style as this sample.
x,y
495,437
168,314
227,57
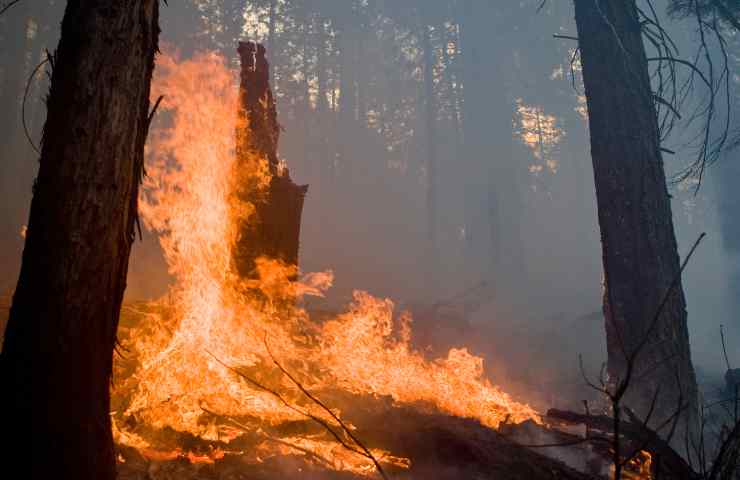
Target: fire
x,y
186,348
638,468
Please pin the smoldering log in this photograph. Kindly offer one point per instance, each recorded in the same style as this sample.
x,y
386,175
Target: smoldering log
x,y
273,228
439,446
635,433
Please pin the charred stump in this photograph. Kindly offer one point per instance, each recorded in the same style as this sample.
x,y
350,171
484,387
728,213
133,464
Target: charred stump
x,y
57,354
272,229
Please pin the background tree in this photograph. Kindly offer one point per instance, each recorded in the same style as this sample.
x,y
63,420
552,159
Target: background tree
x,y
27,30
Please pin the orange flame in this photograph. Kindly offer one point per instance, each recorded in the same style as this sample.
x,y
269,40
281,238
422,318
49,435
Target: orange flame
x,y
209,319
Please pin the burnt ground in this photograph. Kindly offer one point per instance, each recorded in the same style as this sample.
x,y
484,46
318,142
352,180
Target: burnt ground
x,y
439,447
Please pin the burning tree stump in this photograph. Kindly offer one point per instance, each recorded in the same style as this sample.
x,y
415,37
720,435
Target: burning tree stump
x,y
272,229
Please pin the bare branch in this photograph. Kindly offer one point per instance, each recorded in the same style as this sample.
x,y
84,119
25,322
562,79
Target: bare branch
x,y
318,402
724,346
7,6
25,98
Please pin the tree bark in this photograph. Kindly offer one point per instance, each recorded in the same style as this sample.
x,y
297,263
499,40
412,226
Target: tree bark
x,y
430,117
639,251
322,106
57,354
347,128
273,230
272,21
492,202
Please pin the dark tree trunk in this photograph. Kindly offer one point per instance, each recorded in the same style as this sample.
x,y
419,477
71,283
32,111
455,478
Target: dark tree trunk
x,y
272,22
322,107
273,230
726,175
58,349
430,118
306,122
347,127
492,194
640,256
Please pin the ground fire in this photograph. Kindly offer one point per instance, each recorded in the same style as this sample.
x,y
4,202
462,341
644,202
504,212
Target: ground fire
x,y
188,363
229,365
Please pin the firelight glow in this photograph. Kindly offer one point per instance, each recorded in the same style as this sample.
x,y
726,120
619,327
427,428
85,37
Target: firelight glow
x,y
212,318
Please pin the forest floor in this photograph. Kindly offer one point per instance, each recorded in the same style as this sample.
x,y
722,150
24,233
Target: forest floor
x,y
439,447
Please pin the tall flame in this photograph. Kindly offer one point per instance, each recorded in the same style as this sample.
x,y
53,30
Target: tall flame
x,y
211,319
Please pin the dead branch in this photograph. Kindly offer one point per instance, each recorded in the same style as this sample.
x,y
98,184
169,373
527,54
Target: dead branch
x,y
362,450
636,432
336,418
246,429
7,6
25,98
726,462
724,346
287,404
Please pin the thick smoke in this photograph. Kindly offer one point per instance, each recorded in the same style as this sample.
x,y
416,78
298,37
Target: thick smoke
x,y
516,272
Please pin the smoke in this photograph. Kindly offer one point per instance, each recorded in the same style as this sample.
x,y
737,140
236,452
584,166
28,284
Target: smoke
x,y
514,215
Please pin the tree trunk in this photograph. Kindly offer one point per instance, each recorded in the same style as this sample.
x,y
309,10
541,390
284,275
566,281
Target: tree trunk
x,y
304,110
325,172
430,117
640,256
273,230
57,354
493,202
347,127
272,22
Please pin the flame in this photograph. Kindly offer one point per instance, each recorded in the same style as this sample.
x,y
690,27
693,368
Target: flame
x,y
638,468
212,318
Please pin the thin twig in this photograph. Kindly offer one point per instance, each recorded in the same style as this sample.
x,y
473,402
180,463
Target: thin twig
x,y
23,104
246,429
724,346
565,37
363,451
7,7
287,404
318,402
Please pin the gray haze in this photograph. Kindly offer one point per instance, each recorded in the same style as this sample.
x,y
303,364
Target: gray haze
x,y
515,203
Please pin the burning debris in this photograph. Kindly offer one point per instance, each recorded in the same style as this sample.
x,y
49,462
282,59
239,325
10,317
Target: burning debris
x,y
229,377
198,381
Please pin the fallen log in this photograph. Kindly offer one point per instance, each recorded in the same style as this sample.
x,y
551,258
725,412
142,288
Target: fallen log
x,y
636,435
439,447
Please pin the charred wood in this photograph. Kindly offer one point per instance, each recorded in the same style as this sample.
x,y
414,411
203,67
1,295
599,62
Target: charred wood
x,y
272,230
665,458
